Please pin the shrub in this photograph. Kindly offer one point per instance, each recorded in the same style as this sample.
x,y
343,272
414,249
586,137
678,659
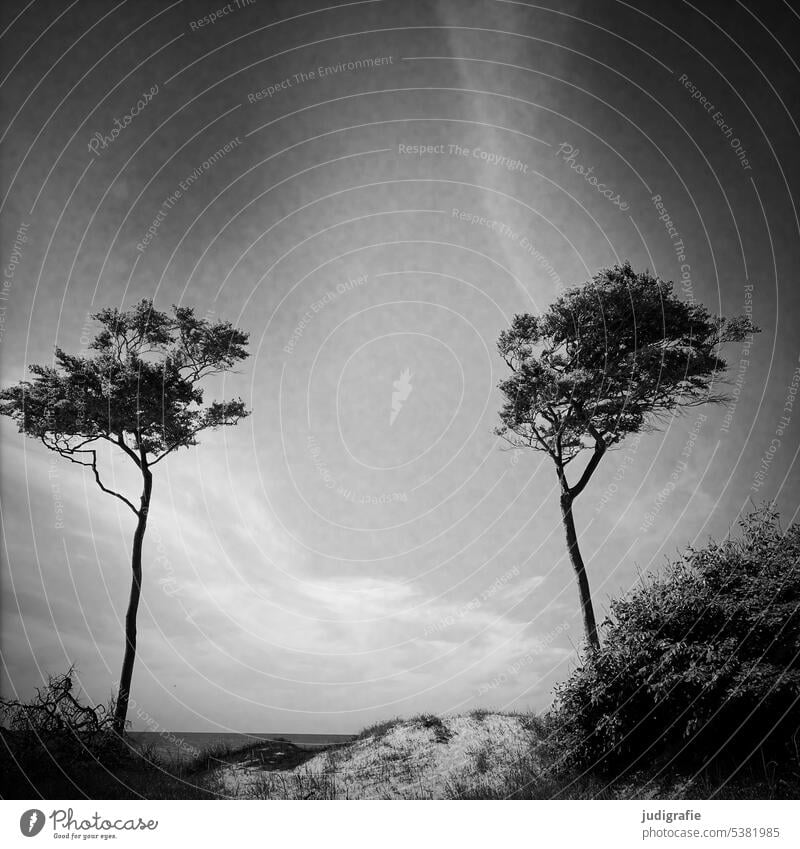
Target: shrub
x,y
54,728
55,747
698,664
441,733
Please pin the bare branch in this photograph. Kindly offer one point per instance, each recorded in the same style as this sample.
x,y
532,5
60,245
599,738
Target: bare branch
x,y
169,450
106,489
67,453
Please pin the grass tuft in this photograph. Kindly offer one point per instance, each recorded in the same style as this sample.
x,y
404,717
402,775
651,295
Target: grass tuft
x,y
379,730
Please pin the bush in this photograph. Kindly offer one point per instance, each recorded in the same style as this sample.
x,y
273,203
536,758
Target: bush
x,y
441,733
55,729
699,665
55,747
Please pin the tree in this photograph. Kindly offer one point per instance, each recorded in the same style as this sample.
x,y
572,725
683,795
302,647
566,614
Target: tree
x,y
139,392
607,359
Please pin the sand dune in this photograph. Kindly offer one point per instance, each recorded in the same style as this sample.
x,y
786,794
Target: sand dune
x,y
422,758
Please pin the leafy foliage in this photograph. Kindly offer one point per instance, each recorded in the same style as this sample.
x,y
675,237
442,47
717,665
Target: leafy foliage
x,y
701,662
607,359
138,391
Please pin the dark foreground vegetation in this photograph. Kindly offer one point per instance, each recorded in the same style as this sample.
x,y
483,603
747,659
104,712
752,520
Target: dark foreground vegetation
x,y
695,693
696,689
54,747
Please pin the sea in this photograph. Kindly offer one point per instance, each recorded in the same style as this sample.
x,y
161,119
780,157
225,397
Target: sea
x,y
186,745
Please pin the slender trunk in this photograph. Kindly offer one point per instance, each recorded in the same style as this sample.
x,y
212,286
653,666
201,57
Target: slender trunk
x,y
123,696
589,624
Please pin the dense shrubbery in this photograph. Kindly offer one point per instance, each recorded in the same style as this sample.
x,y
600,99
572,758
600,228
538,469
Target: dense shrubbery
x,y
698,665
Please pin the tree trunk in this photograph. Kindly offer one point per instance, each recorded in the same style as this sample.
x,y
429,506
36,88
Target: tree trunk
x,y
123,695
589,625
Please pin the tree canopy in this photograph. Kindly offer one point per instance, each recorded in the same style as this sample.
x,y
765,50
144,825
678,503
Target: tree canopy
x,y
608,359
138,390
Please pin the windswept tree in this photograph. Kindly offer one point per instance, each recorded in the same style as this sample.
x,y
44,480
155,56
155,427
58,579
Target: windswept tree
x,y
139,392
613,357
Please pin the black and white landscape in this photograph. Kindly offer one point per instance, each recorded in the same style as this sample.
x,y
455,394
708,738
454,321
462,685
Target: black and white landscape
x,y
399,399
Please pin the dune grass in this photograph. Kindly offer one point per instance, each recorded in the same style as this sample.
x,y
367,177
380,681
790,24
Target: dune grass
x,y
536,771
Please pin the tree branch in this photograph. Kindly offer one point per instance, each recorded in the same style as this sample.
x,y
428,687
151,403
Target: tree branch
x,y
191,435
597,456
123,445
106,489
66,453
171,449
545,447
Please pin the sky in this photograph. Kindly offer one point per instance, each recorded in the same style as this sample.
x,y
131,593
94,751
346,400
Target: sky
x,y
372,190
